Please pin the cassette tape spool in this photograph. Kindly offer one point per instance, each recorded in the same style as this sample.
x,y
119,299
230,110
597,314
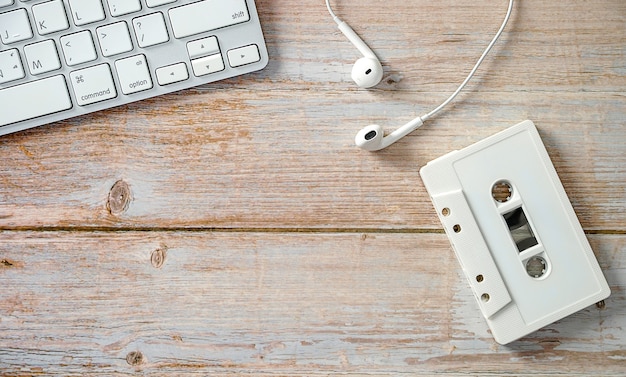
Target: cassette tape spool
x,y
514,232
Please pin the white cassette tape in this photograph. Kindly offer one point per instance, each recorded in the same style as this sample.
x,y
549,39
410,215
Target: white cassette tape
x,y
514,232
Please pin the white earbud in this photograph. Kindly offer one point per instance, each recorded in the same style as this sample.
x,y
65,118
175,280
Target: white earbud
x,y
372,138
367,71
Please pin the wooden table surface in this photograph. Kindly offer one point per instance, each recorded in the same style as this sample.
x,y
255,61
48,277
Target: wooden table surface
x,y
234,228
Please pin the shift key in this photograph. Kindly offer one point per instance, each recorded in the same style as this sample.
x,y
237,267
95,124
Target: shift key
x,y
93,84
207,15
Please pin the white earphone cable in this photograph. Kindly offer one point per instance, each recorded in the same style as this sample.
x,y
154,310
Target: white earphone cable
x,y
417,121
473,71
330,10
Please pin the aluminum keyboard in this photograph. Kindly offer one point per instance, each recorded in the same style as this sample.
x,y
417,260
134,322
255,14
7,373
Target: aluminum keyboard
x,y
64,58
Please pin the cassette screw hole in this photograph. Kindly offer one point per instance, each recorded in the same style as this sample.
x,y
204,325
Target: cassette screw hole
x,y
485,297
457,228
536,267
445,211
480,278
502,191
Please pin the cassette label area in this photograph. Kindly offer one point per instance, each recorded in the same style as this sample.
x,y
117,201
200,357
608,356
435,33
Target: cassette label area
x,y
514,232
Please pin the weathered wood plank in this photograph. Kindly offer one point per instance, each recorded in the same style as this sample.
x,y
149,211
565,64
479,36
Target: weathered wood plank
x,y
429,46
276,160
285,303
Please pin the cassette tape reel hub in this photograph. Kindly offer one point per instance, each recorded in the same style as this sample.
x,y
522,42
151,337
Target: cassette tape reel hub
x,y
514,232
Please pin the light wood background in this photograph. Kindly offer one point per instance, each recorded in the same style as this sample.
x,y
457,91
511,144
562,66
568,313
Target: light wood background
x,y
234,228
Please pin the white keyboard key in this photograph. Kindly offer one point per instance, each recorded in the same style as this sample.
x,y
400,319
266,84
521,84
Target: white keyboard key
x,y
42,57
203,47
114,39
122,7
172,73
5,3
86,11
244,55
150,30
93,84
156,3
207,15
50,17
133,74
10,66
50,96
15,26
78,48
207,65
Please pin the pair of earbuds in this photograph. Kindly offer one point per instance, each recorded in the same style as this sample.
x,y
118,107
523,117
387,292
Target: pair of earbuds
x,y
367,72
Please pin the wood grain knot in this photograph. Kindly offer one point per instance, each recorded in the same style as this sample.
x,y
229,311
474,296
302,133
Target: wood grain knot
x,y
549,344
158,257
134,358
5,263
119,198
